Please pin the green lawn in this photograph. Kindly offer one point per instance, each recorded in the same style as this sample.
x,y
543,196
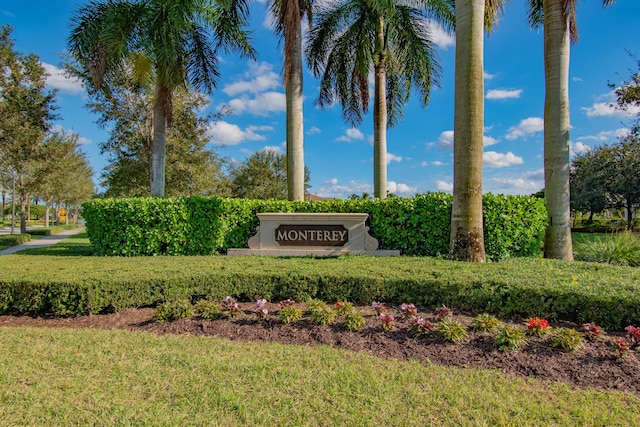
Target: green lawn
x,y
95,377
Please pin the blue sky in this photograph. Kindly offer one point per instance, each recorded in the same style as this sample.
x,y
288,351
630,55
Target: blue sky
x,y
339,157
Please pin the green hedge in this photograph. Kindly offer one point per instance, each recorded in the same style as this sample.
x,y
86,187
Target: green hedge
x,y
14,239
525,287
48,231
418,226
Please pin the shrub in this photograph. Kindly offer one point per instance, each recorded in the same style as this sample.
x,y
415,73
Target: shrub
x,y
451,330
174,310
510,337
343,307
49,231
486,322
618,248
567,339
208,309
353,321
289,314
14,239
320,312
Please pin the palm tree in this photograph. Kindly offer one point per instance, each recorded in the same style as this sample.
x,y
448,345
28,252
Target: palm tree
x,y
179,37
467,232
390,38
289,14
560,29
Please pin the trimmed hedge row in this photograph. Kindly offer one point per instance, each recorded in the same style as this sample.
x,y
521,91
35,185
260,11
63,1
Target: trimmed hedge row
x,y
418,226
14,239
583,292
41,231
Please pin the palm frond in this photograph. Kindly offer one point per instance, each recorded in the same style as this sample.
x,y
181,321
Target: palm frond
x,y
535,13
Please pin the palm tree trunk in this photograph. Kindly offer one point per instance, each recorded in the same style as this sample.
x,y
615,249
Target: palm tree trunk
x,y
159,144
295,126
380,118
467,235
557,239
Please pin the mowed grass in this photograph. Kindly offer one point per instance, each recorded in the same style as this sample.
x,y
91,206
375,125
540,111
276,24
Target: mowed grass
x,y
95,377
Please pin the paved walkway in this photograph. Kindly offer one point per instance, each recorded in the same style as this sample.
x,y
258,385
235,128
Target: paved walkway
x,y
43,242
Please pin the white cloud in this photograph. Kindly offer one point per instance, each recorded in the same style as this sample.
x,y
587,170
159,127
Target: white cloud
x,y
607,109
444,186
606,136
517,185
445,140
262,105
399,188
259,78
313,131
490,141
437,163
503,94
440,37
579,148
350,135
526,127
393,158
81,139
332,188
272,149
224,133
576,79
58,80
493,159
424,163
488,76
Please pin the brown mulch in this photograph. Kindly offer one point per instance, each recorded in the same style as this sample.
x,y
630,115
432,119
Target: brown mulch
x,y
596,365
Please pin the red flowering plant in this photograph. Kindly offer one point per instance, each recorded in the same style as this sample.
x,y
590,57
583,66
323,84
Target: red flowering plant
x,y
634,335
537,326
592,331
387,321
442,312
420,326
343,307
621,345
409,311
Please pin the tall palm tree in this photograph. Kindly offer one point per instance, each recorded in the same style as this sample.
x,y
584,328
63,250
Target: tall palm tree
x,y
390,38
179,37
289,14
559,20
467,232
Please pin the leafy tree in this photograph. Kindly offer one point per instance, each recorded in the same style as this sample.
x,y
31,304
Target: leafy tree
x,y
26,109
558,18
624,181
467,235
628,96
289,14
263,175
390,39
172,36
588,182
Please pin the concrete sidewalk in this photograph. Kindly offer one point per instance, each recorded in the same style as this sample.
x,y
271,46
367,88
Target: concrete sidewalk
x,y
43,242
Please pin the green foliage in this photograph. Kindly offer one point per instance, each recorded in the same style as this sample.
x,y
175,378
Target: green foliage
x,y
290,314
343,307
567,339
451,330
49,231
486,322
174,310
418,226
208,309
320,312
353,320
619,248
510,337
14,239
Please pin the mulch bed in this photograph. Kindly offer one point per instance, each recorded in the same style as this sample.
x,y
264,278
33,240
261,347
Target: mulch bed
x,y
596,365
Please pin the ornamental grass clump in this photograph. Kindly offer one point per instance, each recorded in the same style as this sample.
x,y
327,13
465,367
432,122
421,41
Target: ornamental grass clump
x,y
510,337
537,327
209,310
320,312
485,322
174,310
288,312
451,330
353,321
567,339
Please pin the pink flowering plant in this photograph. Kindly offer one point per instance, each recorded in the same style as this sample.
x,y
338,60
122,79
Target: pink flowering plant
x,y
634,335
379,308
261,310
387,321
230,307
537,326
420,326
409,311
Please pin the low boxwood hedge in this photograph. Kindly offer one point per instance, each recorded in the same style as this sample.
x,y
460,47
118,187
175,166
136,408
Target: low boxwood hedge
x,y
48,231
14,239
526,287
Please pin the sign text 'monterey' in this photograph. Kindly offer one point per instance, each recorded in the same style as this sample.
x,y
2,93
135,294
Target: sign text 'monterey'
x,y
311,235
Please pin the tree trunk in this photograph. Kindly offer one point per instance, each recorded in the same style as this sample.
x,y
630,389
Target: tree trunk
x,y
629,214
295,126
23,205
557,239
380,117
467,234
158,145
4,199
